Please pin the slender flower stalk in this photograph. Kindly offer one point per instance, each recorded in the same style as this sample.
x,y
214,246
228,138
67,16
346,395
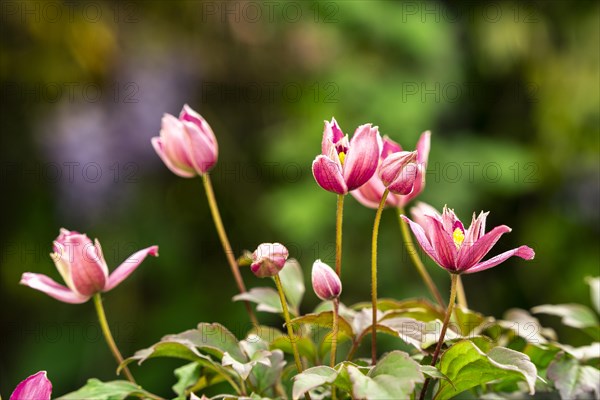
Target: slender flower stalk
x,y
412,251
436,353
288,323
374,276
108,336
461,297
334,332
338,234
235,270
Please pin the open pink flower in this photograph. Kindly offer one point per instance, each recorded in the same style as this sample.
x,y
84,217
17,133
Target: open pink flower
x,y
268,259
456,249
187,145
370,193
342,165
35,387
83,268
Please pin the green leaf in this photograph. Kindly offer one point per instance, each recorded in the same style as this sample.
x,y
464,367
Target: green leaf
x,y
594,283
419,309
213,339
573,315
95,389
433,372
264,377
573,380
468,321
526,326
394,376
466,366
312,378
292,280
418,333
305,346
266,298
324,319
187,376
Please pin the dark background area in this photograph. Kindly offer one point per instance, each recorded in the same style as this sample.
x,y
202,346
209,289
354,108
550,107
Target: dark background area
x,y
510,91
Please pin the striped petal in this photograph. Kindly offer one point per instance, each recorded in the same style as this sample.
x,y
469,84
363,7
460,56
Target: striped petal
x,y
51,288
471,254
524,252
35,387
328,175
128,266
363,156
423,241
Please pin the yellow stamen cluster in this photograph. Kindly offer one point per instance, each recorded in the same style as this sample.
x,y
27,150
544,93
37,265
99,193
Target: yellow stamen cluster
x,y
342,157
458,237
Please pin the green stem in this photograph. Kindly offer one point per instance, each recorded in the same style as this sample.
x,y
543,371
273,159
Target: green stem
x,y
334,332
461,297
235,270
412,252
288,324
436,353
108,336
338,234
374,276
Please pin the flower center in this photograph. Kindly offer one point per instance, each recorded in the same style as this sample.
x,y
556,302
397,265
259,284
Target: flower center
x,y
458,236
342,156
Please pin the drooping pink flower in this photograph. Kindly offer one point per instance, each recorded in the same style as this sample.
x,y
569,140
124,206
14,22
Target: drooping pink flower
x,y
370,193
187,145
35,387
456,249
83,268
325,282
346,165
268,259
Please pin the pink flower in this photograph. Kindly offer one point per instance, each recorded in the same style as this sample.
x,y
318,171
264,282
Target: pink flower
x,y
268,259
325,282
342,165
187,145
83,268
35,387
445,240
370,193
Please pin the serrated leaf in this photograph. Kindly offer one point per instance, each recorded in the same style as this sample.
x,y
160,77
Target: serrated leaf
x,y
187,376
292,280
573,315
594,283
312,378
466,366
573,380
266,298
394,376
324,319
95,389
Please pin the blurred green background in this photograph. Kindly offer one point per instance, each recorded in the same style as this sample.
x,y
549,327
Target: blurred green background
x,y
510,91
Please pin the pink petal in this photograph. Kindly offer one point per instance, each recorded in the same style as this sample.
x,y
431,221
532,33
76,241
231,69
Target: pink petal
x,y
423,146
389,147
449,219
331,135
35,387
51,288
158,146
524,252
419,185
88,268
363,156
391,168
423,241
325,282
175,144
328,175
203,147
476,230
128,266
471,254
187,114
443,244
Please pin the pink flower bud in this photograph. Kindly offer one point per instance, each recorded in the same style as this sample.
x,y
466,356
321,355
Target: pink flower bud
x,y
325,282
187,145
398,172
268,259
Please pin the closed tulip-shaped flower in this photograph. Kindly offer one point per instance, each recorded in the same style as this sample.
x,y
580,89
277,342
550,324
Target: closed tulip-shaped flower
x,y
456,249
268,259
187,145
346,165
83,268
325,282
371,192
35,387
